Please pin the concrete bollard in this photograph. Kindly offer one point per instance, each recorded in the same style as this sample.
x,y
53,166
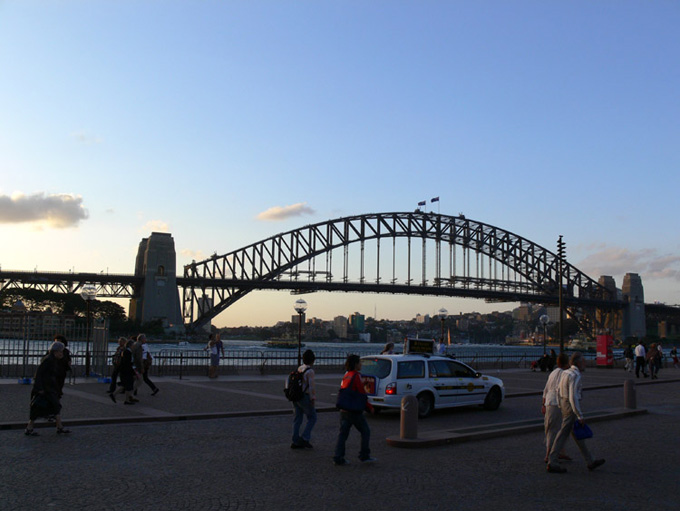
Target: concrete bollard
x,y
409,418
629,395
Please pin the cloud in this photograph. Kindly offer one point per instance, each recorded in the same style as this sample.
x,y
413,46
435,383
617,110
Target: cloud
x,y
618,261
282,213
84,138
194,255
155,226
57,211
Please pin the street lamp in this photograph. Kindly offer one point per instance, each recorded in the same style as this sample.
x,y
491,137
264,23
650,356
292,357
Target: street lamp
x,y
20,307
300,307
443,313
88,293
544,319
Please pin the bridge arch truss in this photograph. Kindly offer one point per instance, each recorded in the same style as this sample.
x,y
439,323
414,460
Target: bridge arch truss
x,y
412,253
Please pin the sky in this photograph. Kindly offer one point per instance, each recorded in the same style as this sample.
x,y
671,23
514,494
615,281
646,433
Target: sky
x,y
227,122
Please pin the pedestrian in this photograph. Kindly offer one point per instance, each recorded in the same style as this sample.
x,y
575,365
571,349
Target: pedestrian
x,y
653,359
441,347
552,416
128,375
388,349
640,353
142,360
63,364
629,354
116,360
552,360
352,380
570,390
46,392
674,356
215,345
305,407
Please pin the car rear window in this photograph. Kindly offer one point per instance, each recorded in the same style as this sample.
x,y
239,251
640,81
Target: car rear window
x,y
411,369
378,367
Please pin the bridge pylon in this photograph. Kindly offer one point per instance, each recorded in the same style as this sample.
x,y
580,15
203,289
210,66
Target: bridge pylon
x,y
158,296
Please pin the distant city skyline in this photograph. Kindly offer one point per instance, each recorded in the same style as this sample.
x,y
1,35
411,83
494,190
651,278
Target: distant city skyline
x,y
224,123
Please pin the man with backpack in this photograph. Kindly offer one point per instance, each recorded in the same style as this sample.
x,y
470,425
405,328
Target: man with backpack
x,y
301,391
115,360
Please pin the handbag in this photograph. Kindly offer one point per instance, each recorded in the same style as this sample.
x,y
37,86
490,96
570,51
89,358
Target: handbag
x,y
581,432
350,400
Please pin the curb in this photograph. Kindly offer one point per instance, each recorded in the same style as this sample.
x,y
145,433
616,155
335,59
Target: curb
x,y
158,418
452,436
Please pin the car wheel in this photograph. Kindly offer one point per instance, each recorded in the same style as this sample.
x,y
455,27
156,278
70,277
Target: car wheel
x,y
425,404
493,399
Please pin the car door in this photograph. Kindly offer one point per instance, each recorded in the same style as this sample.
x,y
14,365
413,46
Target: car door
x,y
470,389
444,382
410,377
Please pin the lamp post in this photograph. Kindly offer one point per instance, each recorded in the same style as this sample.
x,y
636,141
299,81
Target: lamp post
x,y
20,307
300,307
544,319
88,293
443,314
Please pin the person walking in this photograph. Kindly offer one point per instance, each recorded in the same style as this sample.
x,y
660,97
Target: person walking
x,y
653,359
142,361
115,360
570,390
46,392
352,380
674,356
640,353
552,416
215,345
128,375
306,407
629,354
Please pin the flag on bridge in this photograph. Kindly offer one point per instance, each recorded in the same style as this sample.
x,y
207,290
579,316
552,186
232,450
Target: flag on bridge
x,y
434,199
422,203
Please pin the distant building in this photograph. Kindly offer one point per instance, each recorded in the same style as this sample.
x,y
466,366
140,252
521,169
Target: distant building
x,y
295,318
340,326
420,319
358,322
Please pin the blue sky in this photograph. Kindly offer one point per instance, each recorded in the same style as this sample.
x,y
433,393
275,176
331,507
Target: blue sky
x,y
118,118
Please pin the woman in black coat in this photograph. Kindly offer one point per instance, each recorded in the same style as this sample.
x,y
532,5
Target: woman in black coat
x,y
46,391
127,374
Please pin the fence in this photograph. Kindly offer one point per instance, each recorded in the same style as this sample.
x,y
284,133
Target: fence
x,y
20,360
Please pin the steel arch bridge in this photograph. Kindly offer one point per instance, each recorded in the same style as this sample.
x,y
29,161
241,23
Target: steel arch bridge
x,y
399,253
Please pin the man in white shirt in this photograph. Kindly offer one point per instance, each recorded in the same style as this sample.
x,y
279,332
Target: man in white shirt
x,y
570,389
551,406
640,353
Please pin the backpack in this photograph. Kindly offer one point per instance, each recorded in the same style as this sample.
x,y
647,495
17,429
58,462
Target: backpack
x,y
294,389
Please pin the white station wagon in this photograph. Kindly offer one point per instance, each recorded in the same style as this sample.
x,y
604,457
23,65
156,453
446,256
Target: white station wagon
x,y
436,381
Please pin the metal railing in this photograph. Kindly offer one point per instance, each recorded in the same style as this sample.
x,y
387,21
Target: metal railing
x,y
19,361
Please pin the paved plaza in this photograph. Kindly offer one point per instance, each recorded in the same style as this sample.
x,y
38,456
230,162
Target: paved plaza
x,y
225,445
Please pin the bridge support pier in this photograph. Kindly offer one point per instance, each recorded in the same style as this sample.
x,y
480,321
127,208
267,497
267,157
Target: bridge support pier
x,y
158,298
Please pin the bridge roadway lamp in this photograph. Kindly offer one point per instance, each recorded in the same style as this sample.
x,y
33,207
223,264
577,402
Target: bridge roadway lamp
x,y
300,307
443,314
544,319
88,293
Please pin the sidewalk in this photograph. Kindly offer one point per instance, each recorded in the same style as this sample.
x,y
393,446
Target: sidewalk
x,y
198,398
242,460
